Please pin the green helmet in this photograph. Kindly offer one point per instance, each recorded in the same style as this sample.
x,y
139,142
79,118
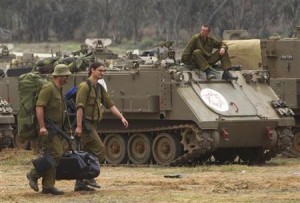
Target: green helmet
x,y
61,70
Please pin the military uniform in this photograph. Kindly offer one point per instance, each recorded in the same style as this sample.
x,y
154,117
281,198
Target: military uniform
x,y
85,98
198,53
51,99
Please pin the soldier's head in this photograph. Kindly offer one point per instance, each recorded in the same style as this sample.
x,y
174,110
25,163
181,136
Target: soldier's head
x,y
97,70
205,29
61,74
83,48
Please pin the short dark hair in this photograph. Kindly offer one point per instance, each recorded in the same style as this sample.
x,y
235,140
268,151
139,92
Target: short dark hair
x,y
206,25
94,66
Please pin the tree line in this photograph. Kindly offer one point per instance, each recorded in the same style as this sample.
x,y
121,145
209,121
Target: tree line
x,y
177,20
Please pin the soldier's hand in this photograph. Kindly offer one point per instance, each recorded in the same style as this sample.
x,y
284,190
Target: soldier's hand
x,y
78,131
222,51
43,131
125,122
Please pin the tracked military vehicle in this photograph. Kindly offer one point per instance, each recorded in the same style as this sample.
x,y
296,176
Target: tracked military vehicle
x,y
281,57
177,117
7,121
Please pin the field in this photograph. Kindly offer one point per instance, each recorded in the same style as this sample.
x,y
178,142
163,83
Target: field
x,y
276,181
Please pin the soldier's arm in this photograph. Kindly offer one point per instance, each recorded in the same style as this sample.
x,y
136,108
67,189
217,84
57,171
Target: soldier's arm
x,y
43,99
40,117
117,113
218,44
80,103
79,116
188,50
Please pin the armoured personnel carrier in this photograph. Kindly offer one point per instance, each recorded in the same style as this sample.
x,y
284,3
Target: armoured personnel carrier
x,y
177,117
281,57
7,121
99,47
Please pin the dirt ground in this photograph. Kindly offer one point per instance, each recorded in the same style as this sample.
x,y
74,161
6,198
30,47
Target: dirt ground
x,y
277,181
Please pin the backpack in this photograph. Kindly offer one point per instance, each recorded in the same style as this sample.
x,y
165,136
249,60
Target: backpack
x,y
29,88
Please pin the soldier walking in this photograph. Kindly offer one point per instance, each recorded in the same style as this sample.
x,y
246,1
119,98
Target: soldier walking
x,y
50,106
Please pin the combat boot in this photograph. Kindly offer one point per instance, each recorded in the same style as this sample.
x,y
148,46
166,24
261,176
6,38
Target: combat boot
x,y
80,186
91,182
33,182
228,76
52,190
209,73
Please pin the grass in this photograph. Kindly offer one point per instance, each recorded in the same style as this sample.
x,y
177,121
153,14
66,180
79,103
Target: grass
x,y
277,181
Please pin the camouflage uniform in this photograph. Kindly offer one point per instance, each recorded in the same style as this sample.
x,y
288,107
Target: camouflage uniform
x,y
51,99
92,142
198,53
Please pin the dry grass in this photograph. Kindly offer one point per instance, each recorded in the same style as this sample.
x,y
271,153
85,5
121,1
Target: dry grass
x,y
277,181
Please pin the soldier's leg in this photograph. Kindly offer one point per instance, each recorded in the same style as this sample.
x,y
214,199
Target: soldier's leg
x,y
199,60
215,57
55,148
93,144
225,61
33,175
225,64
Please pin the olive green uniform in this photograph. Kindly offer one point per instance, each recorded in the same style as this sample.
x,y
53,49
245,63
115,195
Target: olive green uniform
x,y
51,99
198,53
85,98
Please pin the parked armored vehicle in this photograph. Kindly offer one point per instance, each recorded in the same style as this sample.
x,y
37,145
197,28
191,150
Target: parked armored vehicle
x,y
177,117
7,121
281,57
99,47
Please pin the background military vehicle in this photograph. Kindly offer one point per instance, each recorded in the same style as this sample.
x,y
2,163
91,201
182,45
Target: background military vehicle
x,y
7,122
280,57
99,47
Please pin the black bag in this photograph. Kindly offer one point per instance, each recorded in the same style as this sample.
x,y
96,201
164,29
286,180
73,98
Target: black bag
x,y
77,165
74,164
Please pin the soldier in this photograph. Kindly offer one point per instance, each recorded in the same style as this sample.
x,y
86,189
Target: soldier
x,y
198,52
88,102
50,106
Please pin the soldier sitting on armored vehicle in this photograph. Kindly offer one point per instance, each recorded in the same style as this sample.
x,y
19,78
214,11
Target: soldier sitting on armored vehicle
x,y
198,53
5,51
83,50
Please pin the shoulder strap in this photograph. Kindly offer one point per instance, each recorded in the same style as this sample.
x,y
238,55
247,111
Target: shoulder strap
x,y
97,93
88,82
100,88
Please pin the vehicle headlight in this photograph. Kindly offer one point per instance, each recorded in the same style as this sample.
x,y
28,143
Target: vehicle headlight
x,y
178,76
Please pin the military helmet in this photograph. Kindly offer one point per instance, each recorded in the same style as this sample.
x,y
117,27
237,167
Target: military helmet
x,y
61,70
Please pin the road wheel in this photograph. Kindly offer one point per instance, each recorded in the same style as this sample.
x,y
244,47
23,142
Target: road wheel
x,y
115,145
139,148
165,149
